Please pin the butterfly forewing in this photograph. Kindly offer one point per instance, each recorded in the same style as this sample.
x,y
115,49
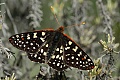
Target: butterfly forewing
x,y
74,56
30,41
57,59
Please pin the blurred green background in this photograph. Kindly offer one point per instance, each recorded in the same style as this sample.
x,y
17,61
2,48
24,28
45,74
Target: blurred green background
x,y
99,37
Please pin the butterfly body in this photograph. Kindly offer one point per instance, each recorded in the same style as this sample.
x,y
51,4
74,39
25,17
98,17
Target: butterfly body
x,y
58,49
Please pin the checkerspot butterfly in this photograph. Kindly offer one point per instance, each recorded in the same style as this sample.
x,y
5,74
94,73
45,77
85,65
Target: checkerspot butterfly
x,y
52,47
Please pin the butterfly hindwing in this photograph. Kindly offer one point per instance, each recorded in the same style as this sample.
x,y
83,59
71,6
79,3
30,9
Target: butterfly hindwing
x,y
56,60
40,55
74,56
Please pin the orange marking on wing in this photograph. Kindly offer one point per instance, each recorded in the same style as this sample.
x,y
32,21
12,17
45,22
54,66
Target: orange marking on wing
x,y
83,58
48,29
22,38
92,67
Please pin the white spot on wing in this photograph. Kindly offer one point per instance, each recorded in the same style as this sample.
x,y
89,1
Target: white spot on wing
x,y
80,53
66,44
22,36
13,37
28,36
72,57
35,55
76,62
39,58
72,62
24,45
57,49
41,50
33,47
85,56
57,56
61,47
20,45
67,48
89,60
83,62
75,49
46,45
15,41
61,66
58,64
64,65
20,41
26,42
49,62
80,61
68,59
42,39
43,33
70,42
67,54
53,62
17,36
31,44
28,48
35,35
83,66
31,55
45,53
53,56
76,58
61,51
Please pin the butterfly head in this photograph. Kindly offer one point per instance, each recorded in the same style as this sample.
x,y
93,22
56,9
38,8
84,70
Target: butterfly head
x,y
60,29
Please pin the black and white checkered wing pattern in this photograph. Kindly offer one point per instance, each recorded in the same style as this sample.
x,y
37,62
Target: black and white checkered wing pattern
x,y
30,41
40,55
57,59
52,47
74,56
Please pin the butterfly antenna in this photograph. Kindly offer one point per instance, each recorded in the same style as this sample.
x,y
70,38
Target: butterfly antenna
x,y
52,9
82,23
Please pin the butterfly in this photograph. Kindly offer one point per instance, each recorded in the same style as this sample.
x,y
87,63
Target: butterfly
x,y
53,47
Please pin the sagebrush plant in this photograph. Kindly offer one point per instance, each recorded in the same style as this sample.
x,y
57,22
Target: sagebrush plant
x,y
99,37
35,13
5,53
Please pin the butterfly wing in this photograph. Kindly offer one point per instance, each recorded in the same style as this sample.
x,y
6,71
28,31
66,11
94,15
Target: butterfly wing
x,y
40,55
56,60
30,41
74,56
